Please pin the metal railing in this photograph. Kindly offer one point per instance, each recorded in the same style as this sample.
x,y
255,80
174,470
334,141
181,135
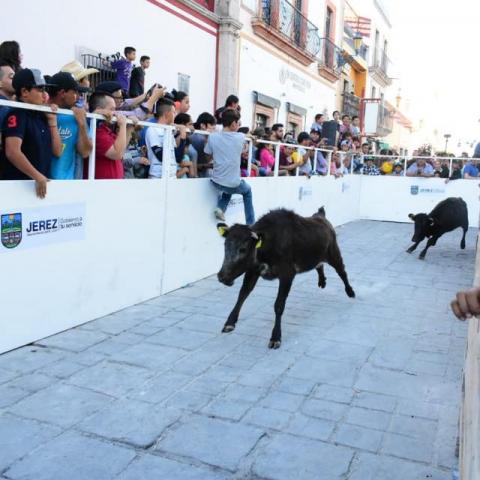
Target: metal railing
x,y
331,56
354,161
289,21
381,62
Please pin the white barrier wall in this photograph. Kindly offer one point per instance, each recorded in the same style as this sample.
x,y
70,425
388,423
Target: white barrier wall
x,y
140,239
393,198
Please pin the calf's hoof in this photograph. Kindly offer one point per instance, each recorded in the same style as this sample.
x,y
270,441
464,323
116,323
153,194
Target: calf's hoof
x,y
350,292
462,246
274,344
409,250
322,283
421,256
228,328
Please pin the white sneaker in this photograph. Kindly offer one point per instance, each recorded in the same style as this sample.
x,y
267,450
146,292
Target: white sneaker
x,y
219,215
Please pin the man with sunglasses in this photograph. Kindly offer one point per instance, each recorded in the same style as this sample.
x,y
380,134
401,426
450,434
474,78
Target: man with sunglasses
x,y
30,138
72,128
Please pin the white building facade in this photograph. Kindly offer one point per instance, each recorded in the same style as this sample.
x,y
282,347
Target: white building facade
x,y
180,37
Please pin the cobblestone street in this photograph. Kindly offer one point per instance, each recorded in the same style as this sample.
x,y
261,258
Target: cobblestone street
x,y
361,389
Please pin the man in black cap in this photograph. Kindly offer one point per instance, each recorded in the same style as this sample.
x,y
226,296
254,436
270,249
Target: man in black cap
x,y
139,107
72,128
30,137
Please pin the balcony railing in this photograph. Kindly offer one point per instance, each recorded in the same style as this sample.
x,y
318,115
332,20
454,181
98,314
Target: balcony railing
x,y
291,24
381,62
351,104
330,57
348,35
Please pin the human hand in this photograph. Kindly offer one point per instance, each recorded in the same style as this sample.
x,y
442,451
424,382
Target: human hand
x,y
121,120
80,115
41,186
144,161
135,121
106,113
182,130
52,117
466,304
158,92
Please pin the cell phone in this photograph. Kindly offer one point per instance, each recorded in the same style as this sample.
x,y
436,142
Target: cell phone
x,y
150,91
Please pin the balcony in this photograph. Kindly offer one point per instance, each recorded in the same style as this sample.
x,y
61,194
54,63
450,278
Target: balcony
x,y
379,68
348,35
330,60
351,104
283,25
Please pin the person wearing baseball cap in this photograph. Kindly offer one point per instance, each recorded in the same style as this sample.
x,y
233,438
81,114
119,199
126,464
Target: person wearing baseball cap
x,y
72,128
30,137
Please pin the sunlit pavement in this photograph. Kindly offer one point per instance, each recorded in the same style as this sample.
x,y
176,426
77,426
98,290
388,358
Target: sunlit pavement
x,y
361,389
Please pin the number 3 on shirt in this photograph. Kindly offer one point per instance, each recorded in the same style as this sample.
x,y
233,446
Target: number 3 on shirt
x,y
12,121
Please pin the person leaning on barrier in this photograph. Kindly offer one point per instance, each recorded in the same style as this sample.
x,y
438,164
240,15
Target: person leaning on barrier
x,y
81,75
420,168
111,140
188,152
155,140
369,167
303,155
205,123
72,128
30,138
7,91
470,170
456,170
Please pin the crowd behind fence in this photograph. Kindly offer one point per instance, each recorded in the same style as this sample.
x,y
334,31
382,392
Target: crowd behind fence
x,y
322,161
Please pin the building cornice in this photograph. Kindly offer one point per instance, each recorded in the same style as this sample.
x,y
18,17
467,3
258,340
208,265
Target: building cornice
x,y
202,10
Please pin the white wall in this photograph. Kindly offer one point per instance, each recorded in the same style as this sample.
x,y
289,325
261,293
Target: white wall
x,y
261,71
145,238
391,199
50,34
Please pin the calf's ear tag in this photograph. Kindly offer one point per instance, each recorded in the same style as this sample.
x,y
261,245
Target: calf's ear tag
x,y
222,229
259,243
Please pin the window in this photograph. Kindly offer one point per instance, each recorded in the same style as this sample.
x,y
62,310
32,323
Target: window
x,y
261,120
328,23
294,123
184,82
263,116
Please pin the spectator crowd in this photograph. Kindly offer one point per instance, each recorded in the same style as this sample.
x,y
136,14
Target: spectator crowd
x,y
43,146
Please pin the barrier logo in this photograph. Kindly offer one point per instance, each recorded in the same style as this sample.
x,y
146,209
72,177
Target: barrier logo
x,y
414,189
11,229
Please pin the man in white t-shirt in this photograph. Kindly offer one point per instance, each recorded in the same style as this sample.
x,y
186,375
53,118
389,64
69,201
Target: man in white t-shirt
x,y
156,144
226,149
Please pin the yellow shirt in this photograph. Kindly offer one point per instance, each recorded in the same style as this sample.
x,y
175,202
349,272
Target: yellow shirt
x,y
387,167
297,159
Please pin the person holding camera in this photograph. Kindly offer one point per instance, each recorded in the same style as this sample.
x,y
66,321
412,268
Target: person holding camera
x,y
139,107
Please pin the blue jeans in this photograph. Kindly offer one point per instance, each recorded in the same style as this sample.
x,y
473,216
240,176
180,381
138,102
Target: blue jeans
x,y
245,191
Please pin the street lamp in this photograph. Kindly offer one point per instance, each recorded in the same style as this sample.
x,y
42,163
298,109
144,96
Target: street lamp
x,y
446,137
357,42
